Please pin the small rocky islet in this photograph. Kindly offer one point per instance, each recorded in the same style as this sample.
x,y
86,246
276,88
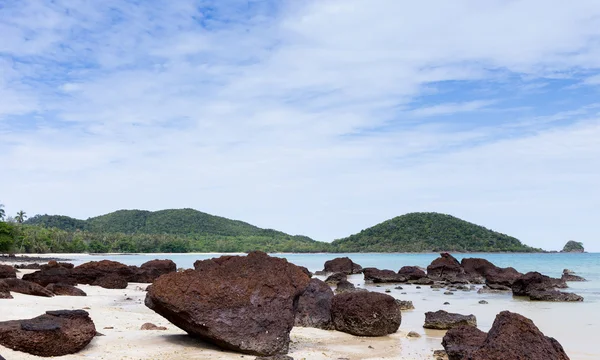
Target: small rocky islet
x,y
249,304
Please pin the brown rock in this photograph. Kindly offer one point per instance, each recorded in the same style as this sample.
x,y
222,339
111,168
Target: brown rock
x,y
7,271
314,306
461,341
51,275
242,303
553,295
55,333
346,286
343,265
65,290
446,268
513,336
365,313
151,270
54,264
276,357
405,304
111,281
412,272
334,279
568,275
26,287
480,270
91,271
151,326
442,320
382,276
34,266
534,281
4,291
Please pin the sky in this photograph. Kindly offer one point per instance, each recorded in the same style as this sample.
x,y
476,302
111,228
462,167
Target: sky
x,y
314,117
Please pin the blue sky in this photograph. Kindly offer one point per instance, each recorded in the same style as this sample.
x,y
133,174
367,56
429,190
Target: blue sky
x,y
314,117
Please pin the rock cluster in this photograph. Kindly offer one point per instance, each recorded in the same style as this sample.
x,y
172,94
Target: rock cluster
x,y
542,288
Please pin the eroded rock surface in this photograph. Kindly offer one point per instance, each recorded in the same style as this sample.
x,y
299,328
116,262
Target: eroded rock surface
x,y
344,265
365,313
443,320
314,306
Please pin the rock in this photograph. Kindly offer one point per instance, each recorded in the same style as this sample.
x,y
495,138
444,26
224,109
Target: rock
x,y
7,271
52,275
334,279
440,355
405,304
412,273
321,273
573,247
443,320
4,291
111,281
446,268
534,281
413,334
365,313
242,303
422,281
446,303
346,286
571,277
481,271
417,287
448,293
151,326
483,302
91,271
513,336
151,270
553,295
461,341
26,287
65,289
343,265
276,357
437,286
54,264
382,276
314,306
55,333
33,266
497,289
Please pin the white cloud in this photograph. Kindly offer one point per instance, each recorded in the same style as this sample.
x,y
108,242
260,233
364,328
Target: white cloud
x,y
301,119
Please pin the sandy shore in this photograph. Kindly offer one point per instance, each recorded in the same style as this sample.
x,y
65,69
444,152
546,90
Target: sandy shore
x,y
124,311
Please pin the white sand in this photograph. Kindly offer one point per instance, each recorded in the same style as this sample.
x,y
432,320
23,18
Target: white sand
x,y
109,308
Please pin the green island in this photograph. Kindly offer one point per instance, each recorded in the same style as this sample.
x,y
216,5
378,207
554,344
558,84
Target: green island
x,y
573,247
189,230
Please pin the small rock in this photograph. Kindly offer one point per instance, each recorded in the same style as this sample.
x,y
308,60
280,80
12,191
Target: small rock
x,y
388,290
446,303
151,326
276,357
483,302
442,320
108,327
399,288
418,287
405,304
448,293
413,334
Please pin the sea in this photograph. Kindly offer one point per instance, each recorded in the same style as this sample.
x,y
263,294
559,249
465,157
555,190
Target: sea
x,y
575,325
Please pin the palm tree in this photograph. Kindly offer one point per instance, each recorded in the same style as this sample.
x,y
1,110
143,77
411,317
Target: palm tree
x,y
2,213
21,216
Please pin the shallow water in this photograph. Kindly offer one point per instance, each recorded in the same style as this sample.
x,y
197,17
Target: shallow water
x,y
575,325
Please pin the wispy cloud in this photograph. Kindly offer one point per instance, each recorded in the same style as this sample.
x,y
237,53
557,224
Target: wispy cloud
x,y
317,117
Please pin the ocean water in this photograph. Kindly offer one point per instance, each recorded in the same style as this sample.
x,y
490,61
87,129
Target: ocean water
x,y
575,325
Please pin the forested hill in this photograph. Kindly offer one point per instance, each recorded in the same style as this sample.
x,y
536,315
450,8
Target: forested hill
x,y
423,232
174,222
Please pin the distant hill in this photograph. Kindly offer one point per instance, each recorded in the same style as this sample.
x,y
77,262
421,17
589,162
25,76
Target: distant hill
x,y
423,232
573,247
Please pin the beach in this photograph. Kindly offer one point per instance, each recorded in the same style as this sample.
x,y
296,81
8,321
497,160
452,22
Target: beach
x,y
119,314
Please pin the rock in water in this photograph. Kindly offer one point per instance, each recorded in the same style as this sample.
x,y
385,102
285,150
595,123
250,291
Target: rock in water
x,y
461,341
242,303
514,336
26,287
554,295
91,271
314,306
365,313
7,271
446,268
343,265
569,275
480,270
442,320
151,326
534,281
405,304
66,290
334,279
382,276
55,333
412,272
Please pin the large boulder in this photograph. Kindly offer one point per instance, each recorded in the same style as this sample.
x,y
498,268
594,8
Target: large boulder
x,y
314,306
534,281
461,341
52,275
334,279
481,270
382,276
91,271
514,336
346,286
65,290
343,265
365,313
26,287
111,281
412,272
4,291
55,333
7,271
446,268
242,303
442,320
151,270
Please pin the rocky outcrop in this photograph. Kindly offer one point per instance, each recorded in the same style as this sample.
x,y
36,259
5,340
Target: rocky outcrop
x,y
365,313
151,326
345,286
4,291
382,276
573,247
568,275
51,275
553,295
54,264
7,271
481,271
55,333
542,288
405,304
513,336
242,303
446,268
461,341
26,287
91,271
334,279
151,270
412,272
33,266
314,306
442,320
343,265
65,290
111,281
